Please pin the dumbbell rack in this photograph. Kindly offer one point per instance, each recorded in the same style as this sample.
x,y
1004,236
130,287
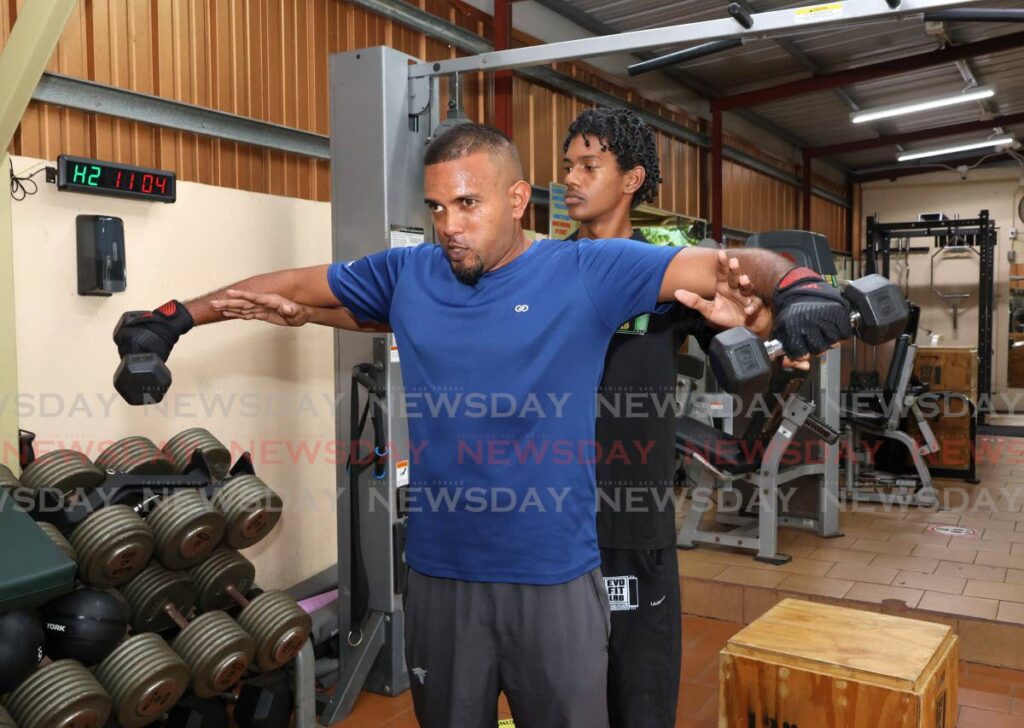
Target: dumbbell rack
x,y
142,492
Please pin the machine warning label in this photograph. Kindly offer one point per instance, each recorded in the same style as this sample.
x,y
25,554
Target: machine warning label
x,y
406,237
402,473
623,594
818,12
506,723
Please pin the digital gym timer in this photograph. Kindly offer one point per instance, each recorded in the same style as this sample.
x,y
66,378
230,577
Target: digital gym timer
x,y
78,174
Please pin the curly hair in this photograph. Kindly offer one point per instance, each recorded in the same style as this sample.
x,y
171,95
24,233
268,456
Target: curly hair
x,y
625,135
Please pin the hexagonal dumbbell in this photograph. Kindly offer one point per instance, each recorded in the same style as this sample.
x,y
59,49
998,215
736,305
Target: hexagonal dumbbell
x,y
279,626
186,526
140,378
742,362
214,646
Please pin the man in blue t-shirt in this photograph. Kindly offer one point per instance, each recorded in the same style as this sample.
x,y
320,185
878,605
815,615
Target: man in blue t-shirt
x,y
505,593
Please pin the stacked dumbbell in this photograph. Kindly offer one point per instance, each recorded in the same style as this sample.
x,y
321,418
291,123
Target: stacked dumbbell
x,y
44,693
186,526
111,544
141,673
250,507
743,363
276,623
215,648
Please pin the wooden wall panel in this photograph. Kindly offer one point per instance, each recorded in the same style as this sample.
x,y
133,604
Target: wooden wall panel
x,y
268,59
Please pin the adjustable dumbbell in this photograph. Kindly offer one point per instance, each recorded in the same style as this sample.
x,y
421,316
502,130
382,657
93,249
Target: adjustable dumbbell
x,y
252,509
112,543
142,674
214,646
279,626
186,526
742,362
45,693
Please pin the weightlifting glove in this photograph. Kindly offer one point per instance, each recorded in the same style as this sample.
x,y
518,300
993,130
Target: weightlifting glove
x,y
810,315
152,332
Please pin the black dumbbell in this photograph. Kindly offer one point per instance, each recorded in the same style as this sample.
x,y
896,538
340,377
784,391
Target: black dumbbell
x,y
742,362
140,378
193,712
279,626
265,701
142,674
186,526
215,648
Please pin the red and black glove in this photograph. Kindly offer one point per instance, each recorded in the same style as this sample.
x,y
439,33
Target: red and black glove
x,y
152,332
810,315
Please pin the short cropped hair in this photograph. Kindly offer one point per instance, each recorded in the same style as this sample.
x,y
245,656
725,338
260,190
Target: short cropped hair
x,y
628,137
462,140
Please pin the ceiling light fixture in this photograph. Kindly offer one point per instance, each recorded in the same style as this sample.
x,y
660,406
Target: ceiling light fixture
x,y
884,112
939,151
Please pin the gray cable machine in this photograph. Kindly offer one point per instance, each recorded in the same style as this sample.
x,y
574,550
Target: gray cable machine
x,y
384,109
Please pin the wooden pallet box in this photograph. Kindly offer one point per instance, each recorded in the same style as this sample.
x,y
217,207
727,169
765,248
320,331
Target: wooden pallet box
x,y
810,665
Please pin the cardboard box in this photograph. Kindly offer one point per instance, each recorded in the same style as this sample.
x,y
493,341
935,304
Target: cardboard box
x,y
815,665
949,369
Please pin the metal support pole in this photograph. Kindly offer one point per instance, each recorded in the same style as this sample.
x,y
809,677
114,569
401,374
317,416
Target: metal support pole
x,y
503,79
806,192
717,184
22,62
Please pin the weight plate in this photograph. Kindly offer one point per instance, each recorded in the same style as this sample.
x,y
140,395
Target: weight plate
x,y
217,650
279,626
152,591
65,470
62,694
5,719
187,528
135,455
58,538
8,480
252,510
113,545
180,448
224,568
145,678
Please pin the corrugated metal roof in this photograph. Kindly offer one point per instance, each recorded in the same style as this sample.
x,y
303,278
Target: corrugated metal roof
x,y
824,118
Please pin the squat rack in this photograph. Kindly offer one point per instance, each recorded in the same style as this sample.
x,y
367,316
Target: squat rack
x,y
978,232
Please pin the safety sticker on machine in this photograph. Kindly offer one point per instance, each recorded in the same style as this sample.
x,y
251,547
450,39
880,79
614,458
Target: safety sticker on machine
x,y
818,12
506,723
401,473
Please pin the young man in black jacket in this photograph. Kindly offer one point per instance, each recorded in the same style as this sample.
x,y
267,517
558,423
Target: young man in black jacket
x,y
611,166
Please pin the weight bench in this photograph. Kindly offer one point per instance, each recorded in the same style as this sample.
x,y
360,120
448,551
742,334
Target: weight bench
x,y
33,570
884,415
756,459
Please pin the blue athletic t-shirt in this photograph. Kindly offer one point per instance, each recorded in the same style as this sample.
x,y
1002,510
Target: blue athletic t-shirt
x,y
500,387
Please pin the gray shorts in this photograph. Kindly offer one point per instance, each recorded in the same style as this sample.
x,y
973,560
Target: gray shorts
x,y
545,647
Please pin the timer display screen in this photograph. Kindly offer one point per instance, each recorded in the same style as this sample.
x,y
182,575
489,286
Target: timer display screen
x,y
107,178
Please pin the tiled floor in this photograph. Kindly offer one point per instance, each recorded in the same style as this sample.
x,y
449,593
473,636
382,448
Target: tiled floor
x,y
896,553
989,697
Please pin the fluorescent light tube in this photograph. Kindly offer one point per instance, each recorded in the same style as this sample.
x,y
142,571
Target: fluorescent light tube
x,y
884,112
935,152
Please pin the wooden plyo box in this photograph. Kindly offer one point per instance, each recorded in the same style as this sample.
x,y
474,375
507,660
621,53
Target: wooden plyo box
x,y
809,665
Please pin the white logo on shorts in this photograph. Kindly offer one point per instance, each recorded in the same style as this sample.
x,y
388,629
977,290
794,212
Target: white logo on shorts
x,y
420,673
522,308
623,594
654,604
